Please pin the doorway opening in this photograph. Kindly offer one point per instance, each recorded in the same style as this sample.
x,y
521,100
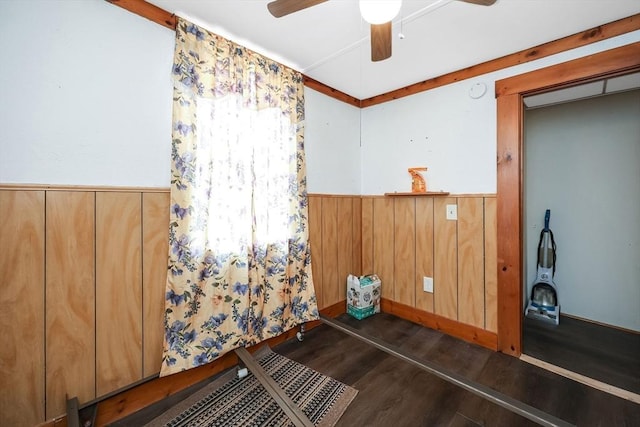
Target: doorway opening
x,y
581,161
510,93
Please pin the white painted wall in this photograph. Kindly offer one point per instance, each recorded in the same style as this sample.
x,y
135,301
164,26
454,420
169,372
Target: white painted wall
x,y
442,129
447,131
582,161
85,95
86,100
332,145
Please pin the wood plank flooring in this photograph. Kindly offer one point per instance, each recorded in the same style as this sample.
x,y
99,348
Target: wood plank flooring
x,y
606,354
395,393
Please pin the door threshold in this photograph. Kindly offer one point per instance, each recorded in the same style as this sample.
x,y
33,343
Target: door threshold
x,y
599,385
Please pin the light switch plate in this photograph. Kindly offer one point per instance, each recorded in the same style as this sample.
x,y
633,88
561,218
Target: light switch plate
x,y
452,212
427,283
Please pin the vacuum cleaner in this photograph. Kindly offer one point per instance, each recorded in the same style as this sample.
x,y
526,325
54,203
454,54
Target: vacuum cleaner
x,y
543,302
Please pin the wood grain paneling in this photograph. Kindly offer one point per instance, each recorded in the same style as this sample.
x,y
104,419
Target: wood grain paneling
x,y
22,375
130,243
424,251
490,265
330,286
345,244
614,61
404,253
471,261
70,298
445,272
331,92
149,11
118,291
356,236
367,236
383,244
508,212
155,253
315,239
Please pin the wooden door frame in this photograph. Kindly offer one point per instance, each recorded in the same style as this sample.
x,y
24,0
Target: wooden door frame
x,y
510,144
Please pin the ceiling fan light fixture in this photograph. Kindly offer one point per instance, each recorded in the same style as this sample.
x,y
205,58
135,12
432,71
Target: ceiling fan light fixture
x,y
379,11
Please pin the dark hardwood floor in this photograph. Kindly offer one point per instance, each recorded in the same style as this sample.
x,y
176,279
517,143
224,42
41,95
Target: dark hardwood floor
x,y
395,393
606,354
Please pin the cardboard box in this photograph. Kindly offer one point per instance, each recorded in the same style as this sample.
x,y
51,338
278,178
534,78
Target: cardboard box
x,y
363,295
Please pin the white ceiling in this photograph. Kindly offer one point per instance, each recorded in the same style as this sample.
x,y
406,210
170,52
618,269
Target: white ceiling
x,y
330,42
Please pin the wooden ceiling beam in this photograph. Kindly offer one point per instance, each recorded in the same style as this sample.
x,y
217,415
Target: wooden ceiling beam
x,y
169,20
602,32
331,92
149,11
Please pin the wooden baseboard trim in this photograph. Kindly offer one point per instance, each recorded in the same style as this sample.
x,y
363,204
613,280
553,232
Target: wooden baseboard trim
x,y
334,310
595,322
96,188
56,422
607,388
130,401
450,327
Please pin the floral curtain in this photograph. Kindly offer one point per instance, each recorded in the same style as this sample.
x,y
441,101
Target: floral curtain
x,y
239,257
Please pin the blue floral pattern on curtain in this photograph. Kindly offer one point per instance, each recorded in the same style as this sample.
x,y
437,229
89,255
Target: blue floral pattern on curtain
x,y
239,257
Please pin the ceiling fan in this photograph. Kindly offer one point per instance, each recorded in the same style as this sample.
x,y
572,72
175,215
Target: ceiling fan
x,y
379,13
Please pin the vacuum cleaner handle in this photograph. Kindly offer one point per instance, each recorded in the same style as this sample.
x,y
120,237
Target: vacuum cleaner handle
x,y
547,216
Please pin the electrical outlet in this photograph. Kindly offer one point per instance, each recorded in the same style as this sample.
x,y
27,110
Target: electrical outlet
x,y
452,212
427,284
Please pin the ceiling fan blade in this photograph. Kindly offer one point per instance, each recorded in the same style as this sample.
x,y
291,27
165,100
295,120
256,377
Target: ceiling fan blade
x,y
480,2
280,8
380,41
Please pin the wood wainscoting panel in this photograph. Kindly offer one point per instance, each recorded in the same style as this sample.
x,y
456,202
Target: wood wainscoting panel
x,y
367,235
70,299
315,239
404,267
22,236
383,244
445,270
330,289
490,265
345,244
155,260
424,251
356,236
471,261
118,290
